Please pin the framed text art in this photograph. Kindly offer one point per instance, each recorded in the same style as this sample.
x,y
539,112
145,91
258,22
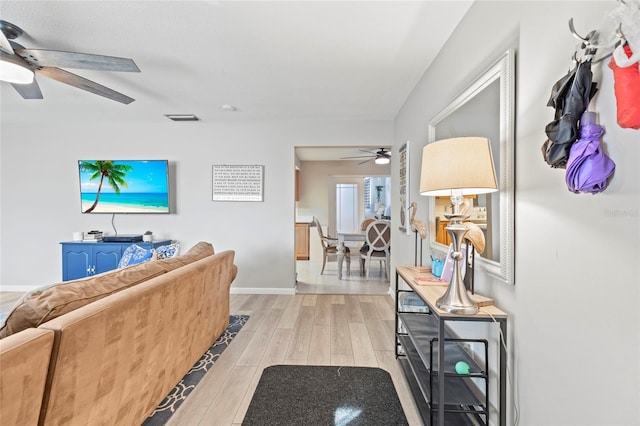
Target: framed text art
x,y
405,226
238,183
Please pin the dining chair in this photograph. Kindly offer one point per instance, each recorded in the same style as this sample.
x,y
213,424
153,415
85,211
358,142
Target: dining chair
x,y
365,246
365,223
330,247
378,239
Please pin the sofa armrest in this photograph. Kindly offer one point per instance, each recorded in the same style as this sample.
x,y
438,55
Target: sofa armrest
x,y
24,363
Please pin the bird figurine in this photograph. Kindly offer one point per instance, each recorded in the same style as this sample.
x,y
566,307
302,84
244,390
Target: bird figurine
x,y
417,225
475,235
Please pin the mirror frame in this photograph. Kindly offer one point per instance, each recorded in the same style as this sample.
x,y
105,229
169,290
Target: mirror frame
x,y
504,71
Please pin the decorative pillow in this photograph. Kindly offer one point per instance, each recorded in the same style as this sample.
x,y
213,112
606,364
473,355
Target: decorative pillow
x,y
168,251
133,255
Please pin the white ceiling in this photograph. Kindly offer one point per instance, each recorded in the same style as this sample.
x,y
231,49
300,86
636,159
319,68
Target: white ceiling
x,y
270,59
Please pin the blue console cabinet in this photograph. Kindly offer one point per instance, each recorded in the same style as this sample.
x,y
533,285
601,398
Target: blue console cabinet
x,y
81,259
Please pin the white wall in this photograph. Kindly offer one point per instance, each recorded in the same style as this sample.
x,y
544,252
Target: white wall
x,y
314,185
574,317
40,190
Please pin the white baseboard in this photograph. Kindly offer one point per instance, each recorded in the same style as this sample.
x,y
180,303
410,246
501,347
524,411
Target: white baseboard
x,y
262,290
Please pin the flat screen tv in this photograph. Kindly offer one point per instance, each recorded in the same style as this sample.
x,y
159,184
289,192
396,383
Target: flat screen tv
x,y
124,186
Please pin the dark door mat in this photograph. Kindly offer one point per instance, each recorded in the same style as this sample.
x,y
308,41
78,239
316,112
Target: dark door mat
x,y
319,395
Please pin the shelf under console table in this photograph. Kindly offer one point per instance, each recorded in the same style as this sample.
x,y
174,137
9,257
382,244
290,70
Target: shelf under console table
x,y
424,343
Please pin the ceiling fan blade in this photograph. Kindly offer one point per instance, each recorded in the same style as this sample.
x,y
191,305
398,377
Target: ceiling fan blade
x,y
358,156
82,83
4,43
29,91
365,161
87,61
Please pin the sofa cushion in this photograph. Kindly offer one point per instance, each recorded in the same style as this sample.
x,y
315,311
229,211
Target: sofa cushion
x,y
197,252
42,305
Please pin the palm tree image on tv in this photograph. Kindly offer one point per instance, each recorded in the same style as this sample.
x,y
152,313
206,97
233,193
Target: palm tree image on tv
x,y
124,186
114,173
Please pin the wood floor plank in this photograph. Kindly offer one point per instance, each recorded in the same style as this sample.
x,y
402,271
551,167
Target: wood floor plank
x,y
353,310
337,299
323,311
340,335
261,338
309,300
224,406
290,315
299,346
320,346
260,307
281,301
363,353
384,306
276,351
339,359
246,401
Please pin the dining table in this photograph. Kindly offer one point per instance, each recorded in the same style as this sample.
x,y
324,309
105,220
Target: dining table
x,y
342,238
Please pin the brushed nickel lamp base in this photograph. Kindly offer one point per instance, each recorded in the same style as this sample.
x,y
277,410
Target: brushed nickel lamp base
x,y
456,299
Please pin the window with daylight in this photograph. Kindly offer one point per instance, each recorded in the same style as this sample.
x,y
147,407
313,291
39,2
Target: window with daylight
x,y
367,193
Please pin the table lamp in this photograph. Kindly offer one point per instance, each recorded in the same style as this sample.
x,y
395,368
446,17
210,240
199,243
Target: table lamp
x,y
457,167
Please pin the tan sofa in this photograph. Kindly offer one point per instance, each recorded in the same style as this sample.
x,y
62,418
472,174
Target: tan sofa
x,y
114,359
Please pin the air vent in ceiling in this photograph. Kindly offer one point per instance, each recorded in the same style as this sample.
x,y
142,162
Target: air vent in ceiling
x,y
182,117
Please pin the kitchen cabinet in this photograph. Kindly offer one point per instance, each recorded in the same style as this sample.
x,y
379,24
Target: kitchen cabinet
x,y
442,236
302,241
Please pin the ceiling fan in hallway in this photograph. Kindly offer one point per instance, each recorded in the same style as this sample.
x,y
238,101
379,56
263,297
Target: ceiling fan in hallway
x,y
382,156
19,64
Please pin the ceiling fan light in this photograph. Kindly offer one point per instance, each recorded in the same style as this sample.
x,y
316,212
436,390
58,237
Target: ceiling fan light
x,y
382,160
12,71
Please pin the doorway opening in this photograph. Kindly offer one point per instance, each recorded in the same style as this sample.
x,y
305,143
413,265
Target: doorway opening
x,y
347,201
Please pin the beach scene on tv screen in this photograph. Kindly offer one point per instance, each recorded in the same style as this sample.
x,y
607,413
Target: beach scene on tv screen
x,y
115,186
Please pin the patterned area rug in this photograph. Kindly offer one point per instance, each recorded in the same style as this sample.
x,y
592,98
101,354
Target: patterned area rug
x,y
319,395
176,397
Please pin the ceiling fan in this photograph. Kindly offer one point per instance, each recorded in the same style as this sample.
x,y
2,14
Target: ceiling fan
x,y
382,156
18,66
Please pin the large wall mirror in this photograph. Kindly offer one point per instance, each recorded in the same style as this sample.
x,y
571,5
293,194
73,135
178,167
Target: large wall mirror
x,y
486,108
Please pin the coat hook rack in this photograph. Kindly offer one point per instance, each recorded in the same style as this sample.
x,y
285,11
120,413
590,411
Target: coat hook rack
x,y
572,28
619,32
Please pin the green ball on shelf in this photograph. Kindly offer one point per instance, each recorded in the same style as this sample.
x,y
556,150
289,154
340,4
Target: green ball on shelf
x,y
462,368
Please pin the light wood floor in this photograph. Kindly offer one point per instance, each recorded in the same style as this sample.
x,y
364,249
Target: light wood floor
x,y
302,329
311,329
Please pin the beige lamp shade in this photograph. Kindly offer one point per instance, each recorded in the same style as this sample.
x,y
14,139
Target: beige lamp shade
x,y
461,164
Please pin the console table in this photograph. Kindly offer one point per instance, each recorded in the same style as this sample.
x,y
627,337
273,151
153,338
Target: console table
x,y
81,259
428,351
